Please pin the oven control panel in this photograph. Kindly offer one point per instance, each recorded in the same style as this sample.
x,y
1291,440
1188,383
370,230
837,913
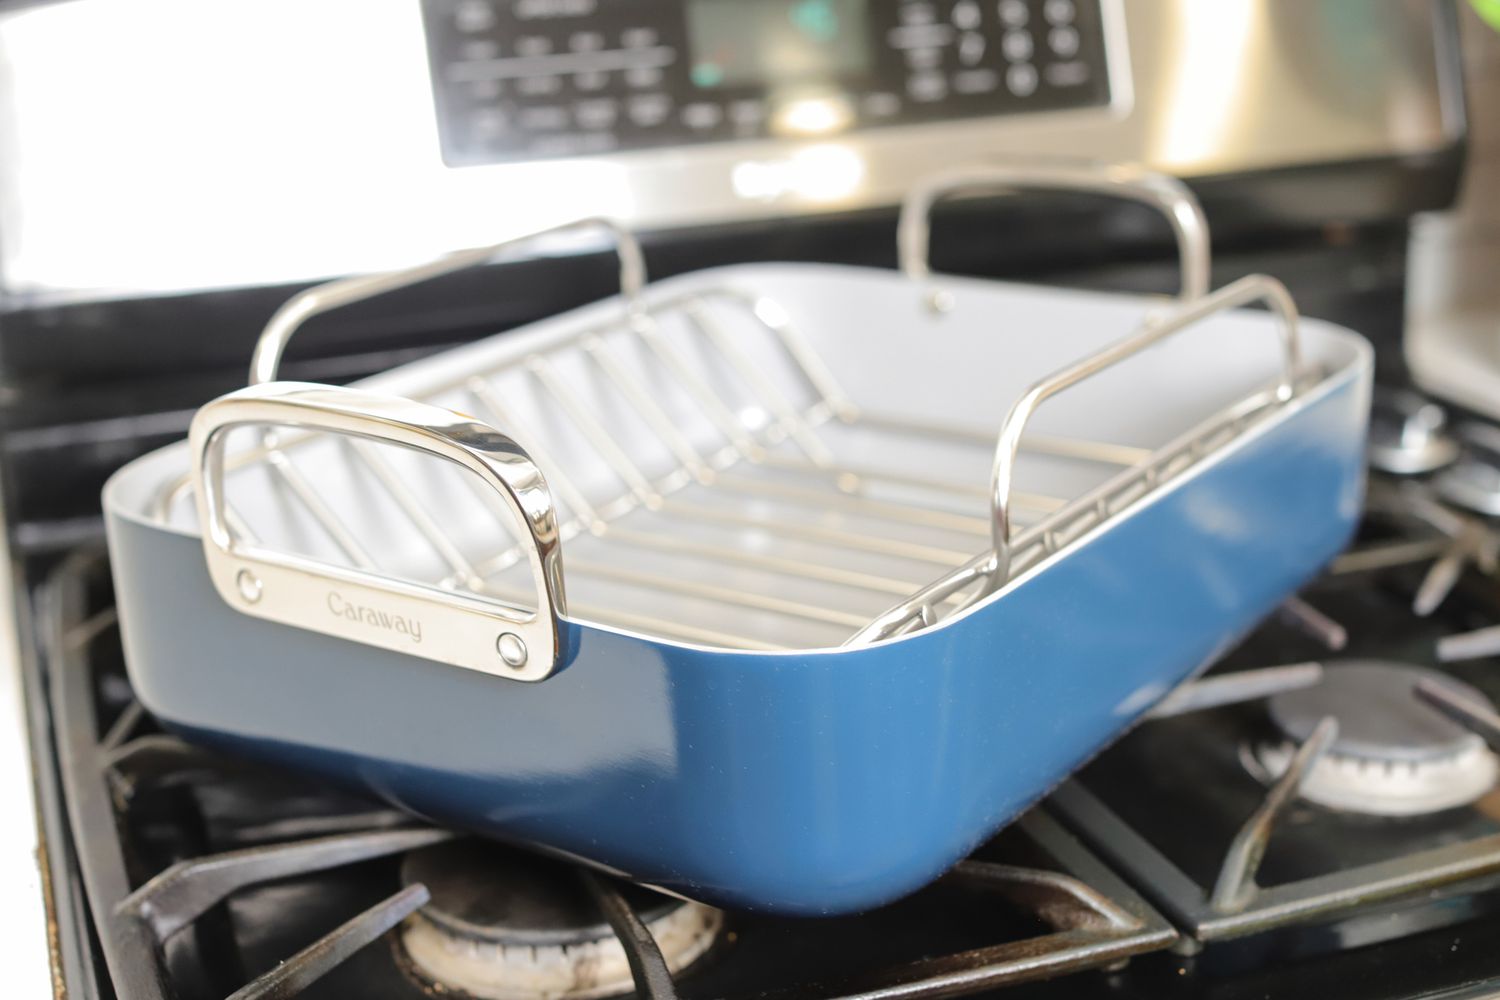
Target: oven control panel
x,y
534,79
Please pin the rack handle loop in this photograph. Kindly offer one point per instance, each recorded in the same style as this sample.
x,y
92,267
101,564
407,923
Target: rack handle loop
x,y
1253,288
1167,195
335,294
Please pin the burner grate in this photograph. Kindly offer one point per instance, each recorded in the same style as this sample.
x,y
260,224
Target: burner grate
x,y
113,765
1415,864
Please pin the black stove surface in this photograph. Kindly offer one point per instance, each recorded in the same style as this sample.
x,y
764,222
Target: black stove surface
x,y
175,873
261,865
215,874
1198,769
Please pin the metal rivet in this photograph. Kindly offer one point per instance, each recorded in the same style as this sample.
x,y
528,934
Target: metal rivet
x,y
939,301
511,649
249,585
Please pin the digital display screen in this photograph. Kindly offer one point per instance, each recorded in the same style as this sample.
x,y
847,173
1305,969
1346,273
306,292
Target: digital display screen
x,y
737,42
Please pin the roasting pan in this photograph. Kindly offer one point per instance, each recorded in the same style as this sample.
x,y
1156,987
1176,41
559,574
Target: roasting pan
x,y
779,586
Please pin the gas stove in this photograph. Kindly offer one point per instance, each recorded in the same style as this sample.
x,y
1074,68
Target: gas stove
x,y
1317,814
1345,799
1320,812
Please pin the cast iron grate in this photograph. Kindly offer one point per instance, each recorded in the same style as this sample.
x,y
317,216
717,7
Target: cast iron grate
x,y
1378,878
203,874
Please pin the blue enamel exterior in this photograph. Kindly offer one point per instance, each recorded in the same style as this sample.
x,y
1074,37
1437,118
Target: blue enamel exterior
x,y
805,783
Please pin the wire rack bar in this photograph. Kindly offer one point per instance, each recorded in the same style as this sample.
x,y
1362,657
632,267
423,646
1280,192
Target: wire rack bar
x,y
784,461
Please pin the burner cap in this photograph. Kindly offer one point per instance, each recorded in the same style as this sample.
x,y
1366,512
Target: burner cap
x,y
506,925
1408,434
1394,756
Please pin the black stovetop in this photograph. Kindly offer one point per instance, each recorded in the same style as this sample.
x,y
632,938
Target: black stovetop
x,y
261,866
305,860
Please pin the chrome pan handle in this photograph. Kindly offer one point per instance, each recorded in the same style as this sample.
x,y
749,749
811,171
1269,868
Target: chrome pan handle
x,y
334,294
992,570
461,629
1166,194
1254,288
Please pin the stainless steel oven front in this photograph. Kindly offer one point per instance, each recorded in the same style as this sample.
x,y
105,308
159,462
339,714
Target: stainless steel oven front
x,y
304,140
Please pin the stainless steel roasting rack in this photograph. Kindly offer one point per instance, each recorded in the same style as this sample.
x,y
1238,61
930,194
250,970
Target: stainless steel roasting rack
x,y
704,456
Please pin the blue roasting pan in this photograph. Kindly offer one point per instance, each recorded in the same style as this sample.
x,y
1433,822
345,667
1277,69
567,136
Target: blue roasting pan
x,y
709,596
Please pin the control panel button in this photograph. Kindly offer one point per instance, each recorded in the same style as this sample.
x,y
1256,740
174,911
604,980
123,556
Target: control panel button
x,y
533,45
585,41
975,81
543,117
929,58
474,16
485,90
489,124
639,38
702,115
596,114
541,10
1068,74
920,36
971,48
480,50
929,86
539,86
1059,12
1063,41
591,80
1014,13
966,15
1021,79
647,110
1017,46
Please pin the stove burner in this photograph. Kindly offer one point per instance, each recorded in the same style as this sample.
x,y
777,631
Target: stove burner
x,y
1394,756
1473,482
1408,434
506,925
